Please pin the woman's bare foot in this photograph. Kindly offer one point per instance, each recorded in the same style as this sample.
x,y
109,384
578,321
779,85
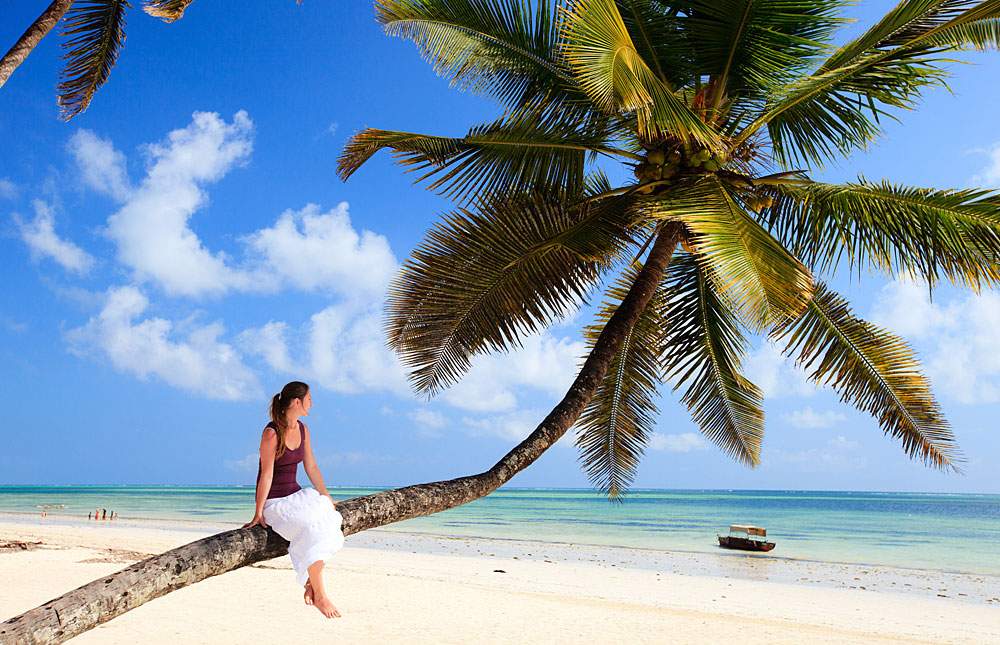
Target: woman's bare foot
x,y
308,596
325,607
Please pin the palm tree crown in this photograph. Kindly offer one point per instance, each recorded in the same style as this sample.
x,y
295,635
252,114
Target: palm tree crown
x,y
720,108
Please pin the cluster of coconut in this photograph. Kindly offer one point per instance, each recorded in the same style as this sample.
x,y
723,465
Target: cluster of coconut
x,y
667,163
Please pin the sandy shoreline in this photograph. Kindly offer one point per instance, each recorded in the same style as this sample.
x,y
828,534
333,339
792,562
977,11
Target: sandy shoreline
x,y
417,588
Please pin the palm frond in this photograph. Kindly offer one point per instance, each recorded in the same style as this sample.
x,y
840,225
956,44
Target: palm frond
x,y
838,108
764,281
907,20
502,48
951,234
508,154
872,370
704,349
661,39
980,35
94,32
618,421
482,280
166,10
607,65
944,24
751,47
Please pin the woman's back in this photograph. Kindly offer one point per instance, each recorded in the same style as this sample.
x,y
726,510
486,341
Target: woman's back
x,y
285,480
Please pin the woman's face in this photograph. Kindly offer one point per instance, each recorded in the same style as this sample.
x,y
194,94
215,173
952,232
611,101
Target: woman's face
x,y
305,403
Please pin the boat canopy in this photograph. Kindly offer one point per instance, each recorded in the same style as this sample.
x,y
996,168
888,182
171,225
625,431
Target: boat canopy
x,y
749,530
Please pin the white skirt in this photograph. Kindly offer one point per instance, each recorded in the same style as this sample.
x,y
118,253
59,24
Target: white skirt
x,y
310,524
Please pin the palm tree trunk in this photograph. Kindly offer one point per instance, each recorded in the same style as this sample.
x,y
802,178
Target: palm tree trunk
x,y
45,22
102,600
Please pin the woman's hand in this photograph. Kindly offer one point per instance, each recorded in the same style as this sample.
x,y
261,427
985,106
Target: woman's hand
x,y
257,519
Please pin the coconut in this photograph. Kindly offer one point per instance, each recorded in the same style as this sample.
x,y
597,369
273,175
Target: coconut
x,y
656,157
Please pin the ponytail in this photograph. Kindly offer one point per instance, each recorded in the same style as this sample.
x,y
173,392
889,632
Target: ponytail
x,y
278,408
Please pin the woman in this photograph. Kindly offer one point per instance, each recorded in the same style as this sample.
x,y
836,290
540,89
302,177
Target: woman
x,y
306,517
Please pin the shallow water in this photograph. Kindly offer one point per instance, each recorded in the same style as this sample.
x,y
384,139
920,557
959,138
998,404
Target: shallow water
x,y
951,532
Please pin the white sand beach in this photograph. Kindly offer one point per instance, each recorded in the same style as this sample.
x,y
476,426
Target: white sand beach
x,y
396,587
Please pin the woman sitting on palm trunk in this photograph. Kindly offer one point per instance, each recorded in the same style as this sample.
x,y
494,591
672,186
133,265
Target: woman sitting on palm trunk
x,y
300,515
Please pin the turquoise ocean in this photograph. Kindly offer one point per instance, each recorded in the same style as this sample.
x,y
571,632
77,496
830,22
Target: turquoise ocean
x,y
949,532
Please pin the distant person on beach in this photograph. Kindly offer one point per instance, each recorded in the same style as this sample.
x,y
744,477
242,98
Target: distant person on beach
x,y
306,517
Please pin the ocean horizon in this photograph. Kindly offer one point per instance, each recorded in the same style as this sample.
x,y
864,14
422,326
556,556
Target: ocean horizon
x,y
940,531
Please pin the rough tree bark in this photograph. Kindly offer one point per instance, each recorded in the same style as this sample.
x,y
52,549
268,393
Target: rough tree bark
x,y
38,29
101,600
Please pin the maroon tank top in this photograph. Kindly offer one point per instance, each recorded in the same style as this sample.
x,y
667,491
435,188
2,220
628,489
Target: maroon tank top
x,y
286,468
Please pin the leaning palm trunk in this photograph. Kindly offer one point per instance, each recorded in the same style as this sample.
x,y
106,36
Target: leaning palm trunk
x,y
34,34
101,600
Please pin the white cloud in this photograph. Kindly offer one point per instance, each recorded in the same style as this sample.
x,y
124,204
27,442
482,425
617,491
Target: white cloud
x,y
8,189
313,251
960,337
347,352
101,165
512,426
199,363
343,350
807,418
269,343
342,347
13,325
989,177
429,422
837,455
776,375
245,465
306,249
151,228
355,457
544,363
40,236
684,442
428,418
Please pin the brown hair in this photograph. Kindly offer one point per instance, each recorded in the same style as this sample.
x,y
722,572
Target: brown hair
x,y
279,406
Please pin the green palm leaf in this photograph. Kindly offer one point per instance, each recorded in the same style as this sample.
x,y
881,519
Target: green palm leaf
x,y
953,234
750,47
762,279
618,421
704,349
837,109
873,370
95,32
482,280
499,47
610,70
925,25
660,38
492,159
166,10
908,20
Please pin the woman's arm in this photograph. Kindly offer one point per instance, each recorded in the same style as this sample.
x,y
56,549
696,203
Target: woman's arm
x,y
312,469
268,448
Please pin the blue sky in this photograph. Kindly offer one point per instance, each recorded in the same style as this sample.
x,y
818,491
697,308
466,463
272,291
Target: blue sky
x,y
175,254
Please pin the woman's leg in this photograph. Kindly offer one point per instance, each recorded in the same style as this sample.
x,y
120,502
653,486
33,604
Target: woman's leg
x,y
320,598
